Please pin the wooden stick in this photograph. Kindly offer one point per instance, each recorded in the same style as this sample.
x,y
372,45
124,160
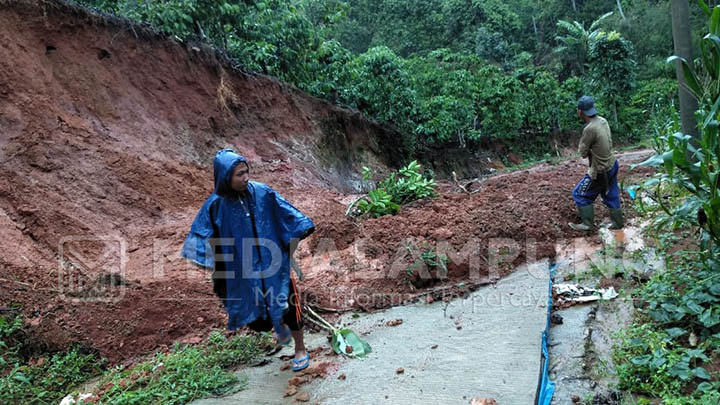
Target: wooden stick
x,y
457,183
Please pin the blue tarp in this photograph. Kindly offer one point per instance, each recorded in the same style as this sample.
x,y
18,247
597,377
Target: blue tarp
x,y
250,234
546,388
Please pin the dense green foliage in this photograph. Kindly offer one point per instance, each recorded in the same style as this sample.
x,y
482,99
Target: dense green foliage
x,y
672,349
462,73
669,350
693,165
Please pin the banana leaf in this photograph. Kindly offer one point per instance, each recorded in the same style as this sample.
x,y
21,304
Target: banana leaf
x,y
348,343
344,341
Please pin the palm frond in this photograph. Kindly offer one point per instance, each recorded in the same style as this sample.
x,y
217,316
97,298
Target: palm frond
x,y
597,22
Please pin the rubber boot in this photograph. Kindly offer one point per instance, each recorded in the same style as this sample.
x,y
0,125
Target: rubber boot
x,y
587,215
616,215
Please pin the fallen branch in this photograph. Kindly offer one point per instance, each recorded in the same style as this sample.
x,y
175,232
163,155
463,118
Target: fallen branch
x,y
457,183
19,282
336,310
352,204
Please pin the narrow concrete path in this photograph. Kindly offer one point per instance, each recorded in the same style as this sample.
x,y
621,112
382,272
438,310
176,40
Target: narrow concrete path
x,y
486,345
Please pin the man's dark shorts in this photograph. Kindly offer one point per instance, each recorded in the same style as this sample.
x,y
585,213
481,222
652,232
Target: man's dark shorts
x,y
292,316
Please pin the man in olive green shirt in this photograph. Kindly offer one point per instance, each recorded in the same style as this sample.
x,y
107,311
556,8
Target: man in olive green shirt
x,y
601,177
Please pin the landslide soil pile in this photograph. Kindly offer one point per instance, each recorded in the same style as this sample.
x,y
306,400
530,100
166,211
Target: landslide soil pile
x,y
107,132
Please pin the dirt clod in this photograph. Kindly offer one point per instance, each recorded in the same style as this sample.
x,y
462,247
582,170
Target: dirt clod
x,y
290,391
483,401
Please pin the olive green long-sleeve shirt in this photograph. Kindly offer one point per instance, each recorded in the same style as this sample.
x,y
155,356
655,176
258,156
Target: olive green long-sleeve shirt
x,y
596,143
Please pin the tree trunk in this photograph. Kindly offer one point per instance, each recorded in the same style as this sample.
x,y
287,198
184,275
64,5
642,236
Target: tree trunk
x,y
574,5
614,111
620,9
683,48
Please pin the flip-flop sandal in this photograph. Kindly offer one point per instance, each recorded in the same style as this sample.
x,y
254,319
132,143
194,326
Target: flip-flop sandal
x,y
301,364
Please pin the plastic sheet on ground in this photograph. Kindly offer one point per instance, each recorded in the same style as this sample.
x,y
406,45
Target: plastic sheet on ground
x,y
579,294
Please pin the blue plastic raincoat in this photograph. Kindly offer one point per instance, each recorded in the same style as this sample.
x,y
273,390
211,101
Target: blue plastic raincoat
x,y
250,234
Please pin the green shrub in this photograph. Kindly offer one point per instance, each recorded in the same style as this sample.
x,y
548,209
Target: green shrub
x,y
670,344
408,184
378,203
499,103
397,189
650,107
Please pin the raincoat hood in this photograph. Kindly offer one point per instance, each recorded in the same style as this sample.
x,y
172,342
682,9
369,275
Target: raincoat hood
x,y
223,166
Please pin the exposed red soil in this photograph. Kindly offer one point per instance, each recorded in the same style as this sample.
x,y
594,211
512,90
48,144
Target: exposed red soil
x,y
106,145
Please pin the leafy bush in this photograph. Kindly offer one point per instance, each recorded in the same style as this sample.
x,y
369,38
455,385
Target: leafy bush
x,y
409,185
694,166
670,343
9,346
380,85
397,189
612,68
378,203
499,103
547,103
650,107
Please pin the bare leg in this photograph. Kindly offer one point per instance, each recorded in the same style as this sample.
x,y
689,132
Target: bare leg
x,y
300,351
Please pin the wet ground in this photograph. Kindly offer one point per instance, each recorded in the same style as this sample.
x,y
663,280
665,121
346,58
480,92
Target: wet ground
x,y
580,347
486,345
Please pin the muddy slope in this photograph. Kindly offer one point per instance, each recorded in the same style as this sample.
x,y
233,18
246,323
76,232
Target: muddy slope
x,y
107,132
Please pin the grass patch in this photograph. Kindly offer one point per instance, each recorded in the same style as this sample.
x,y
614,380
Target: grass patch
x,y
183,374
42,379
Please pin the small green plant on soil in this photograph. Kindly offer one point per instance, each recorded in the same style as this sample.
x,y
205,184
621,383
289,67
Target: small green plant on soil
x,y
588,398
399,188
47,377
181,375
434,261
431,260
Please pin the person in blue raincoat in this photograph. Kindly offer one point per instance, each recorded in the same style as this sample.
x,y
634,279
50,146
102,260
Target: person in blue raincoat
x,y
246,233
